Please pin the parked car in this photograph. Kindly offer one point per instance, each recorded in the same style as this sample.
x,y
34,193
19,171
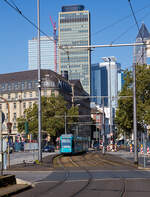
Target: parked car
x,y
49,148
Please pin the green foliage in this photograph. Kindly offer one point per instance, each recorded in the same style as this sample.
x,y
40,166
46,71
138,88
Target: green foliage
x,y
124,113
72,114
53,110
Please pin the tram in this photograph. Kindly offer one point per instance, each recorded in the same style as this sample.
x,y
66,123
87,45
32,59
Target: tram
x,y
70,144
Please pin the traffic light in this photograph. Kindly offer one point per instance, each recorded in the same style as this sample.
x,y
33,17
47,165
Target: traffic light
x,y
26,127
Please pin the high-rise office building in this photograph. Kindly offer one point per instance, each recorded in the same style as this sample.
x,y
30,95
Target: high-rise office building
x,y
100,82
140,52
74,30
47,53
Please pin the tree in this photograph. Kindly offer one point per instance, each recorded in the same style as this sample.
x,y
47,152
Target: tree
x,y
124,113
53,110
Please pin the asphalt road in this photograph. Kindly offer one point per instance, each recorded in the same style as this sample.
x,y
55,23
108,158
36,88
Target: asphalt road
x,y
104,183
121,181
118,180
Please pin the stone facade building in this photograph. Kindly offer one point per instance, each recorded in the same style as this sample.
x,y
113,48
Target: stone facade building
x,y
19,90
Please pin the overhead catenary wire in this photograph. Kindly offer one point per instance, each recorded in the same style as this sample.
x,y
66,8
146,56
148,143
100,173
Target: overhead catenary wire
x,y
127,30
135,20
119,21
13,6
137,28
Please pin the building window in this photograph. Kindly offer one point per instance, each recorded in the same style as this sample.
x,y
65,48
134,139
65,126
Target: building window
x,y
9,87
14,127
23,85
29,85
16,95
6,117
16,86
14,105
8,96
36,93
30,94
25,95
24,105
30,104
6,106
15,116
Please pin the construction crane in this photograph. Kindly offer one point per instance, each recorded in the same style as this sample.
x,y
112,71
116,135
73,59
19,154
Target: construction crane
x,y
55,44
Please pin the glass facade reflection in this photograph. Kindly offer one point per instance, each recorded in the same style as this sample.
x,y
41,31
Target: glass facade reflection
x,y
74,30
47,53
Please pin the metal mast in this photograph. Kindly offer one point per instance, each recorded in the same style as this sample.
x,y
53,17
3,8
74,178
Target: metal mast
x,y
39,84
55,43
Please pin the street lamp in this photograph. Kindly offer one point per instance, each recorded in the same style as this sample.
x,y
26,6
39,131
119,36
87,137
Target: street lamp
x,y
109,60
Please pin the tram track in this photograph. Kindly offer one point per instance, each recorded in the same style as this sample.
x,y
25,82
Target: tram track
x,y
122,191
84,162
88,181
65,177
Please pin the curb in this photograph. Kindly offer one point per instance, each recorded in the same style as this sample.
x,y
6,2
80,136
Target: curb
x,y
142,168
14,189
23,182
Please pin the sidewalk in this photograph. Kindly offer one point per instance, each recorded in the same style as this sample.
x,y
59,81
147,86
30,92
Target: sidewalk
x,y
45,165
9,187
130,157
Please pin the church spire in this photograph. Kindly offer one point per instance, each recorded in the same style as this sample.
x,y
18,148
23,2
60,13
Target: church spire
x,y
143,33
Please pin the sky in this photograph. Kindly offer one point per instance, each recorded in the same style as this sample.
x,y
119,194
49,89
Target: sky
x,y
111,22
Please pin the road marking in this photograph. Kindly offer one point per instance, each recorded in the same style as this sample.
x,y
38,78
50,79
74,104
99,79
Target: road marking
x,y
71,171
85,180
7,171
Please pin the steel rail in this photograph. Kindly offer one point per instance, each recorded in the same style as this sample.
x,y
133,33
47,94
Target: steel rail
x,y
65,177
88,181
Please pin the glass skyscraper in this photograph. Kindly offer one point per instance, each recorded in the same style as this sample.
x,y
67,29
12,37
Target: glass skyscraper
x,y
47,53
74,30
100,82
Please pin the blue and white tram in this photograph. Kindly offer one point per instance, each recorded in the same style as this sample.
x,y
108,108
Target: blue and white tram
x,y
70,144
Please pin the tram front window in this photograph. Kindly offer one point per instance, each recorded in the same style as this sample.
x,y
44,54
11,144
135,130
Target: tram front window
x,y
66,142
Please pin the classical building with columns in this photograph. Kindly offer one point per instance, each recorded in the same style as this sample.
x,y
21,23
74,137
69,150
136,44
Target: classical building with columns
x,y
19,90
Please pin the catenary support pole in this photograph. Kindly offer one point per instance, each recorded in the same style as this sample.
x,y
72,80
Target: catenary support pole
x,y
103,128
110,98
39,84
65,124
134,116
